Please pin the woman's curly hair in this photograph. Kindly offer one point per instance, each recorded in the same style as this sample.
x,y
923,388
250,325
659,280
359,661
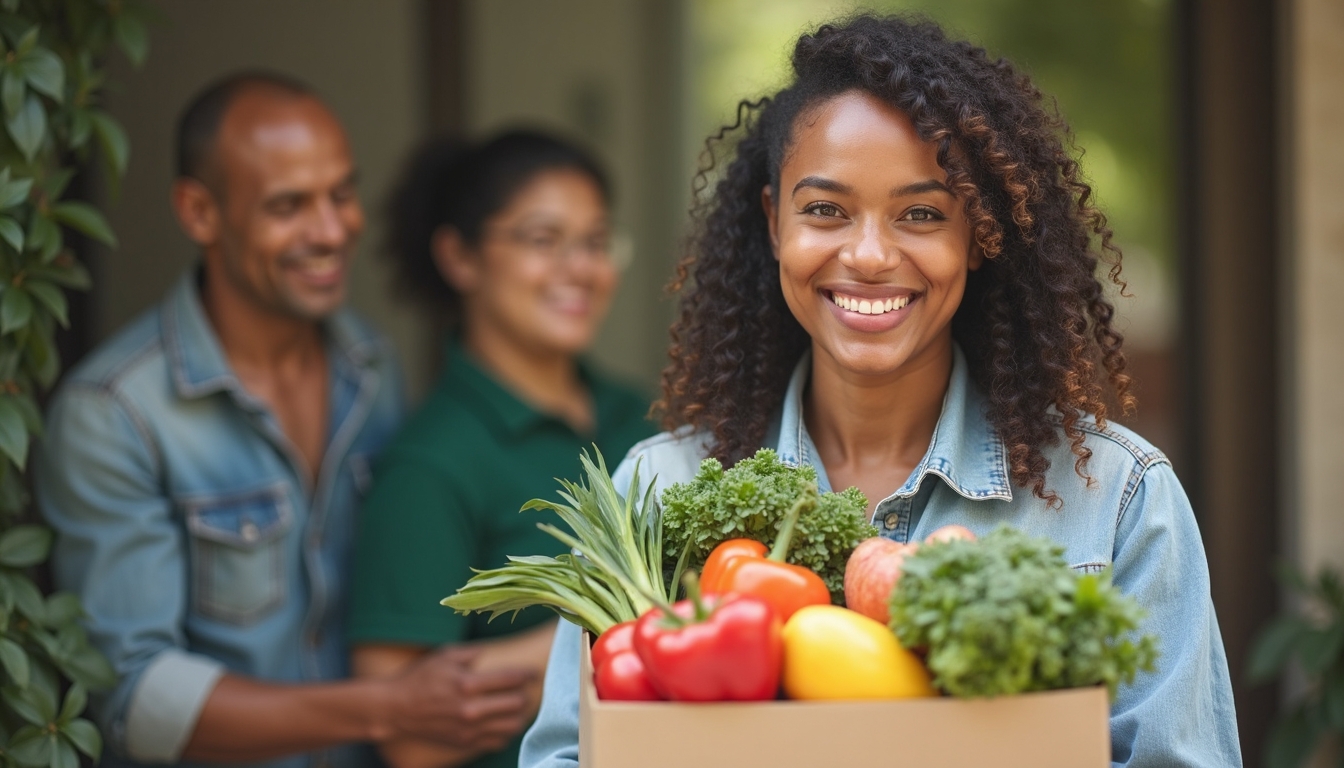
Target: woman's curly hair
x,y
1034,323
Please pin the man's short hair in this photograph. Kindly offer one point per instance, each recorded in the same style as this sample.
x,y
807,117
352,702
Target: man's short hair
x,y
198,127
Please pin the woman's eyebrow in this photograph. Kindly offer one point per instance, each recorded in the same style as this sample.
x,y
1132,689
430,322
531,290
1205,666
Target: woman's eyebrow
x,y
931,185
822,183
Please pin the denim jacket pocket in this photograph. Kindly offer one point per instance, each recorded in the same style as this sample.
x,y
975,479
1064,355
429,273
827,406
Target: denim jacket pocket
x,y
237,553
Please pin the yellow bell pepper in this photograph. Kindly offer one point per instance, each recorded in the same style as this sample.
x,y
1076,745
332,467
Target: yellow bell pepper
x,y
835,653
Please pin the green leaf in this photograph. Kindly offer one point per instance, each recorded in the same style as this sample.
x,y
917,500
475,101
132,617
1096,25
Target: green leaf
x,y
62,609
52,298
16,309
32,748
12,90
68,275
75,701
84,736
28,127
63,755
131,37
1273,647
15,661
89,668
12,233
86,219
45,72
1319,648
26,43
26,596
23,545
55,182
14,191
32,417
80,128
44,236
32,703
44,361
111,140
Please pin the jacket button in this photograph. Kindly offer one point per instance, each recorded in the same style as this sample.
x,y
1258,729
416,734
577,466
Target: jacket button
x,y
890,520
250,532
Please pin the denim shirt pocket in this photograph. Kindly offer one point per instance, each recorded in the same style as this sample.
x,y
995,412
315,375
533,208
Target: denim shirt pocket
x,y
237,553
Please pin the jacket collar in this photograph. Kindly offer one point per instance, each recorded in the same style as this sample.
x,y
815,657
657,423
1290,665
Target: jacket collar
x,y
966,452
196,358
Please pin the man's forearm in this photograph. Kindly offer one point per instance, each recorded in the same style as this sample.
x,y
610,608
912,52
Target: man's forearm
x,y
245,720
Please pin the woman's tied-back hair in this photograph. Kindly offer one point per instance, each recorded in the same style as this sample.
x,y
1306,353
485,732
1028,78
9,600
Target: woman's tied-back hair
x,y
1034,322
451,183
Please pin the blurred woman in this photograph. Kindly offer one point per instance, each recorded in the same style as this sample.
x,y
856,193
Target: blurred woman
x,y
511,239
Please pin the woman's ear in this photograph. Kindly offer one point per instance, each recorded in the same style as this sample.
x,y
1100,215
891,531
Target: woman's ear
x,y
976,257
771,217
457,264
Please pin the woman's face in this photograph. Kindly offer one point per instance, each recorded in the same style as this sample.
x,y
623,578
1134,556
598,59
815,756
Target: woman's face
x,y
542,276
873,247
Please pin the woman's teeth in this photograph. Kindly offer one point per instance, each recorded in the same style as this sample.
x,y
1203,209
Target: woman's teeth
x,y
869,306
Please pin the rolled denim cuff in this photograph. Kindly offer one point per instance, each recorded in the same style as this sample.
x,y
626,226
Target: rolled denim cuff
x,y
166,703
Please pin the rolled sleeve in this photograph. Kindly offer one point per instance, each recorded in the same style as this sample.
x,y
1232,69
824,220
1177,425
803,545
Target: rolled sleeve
x,y
166,703
1181,714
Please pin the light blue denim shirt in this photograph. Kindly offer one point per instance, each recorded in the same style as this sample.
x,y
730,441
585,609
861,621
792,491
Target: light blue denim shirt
x,y
187,527
1133,515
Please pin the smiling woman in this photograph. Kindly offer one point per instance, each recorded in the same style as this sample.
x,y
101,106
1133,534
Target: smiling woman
x,y
894,281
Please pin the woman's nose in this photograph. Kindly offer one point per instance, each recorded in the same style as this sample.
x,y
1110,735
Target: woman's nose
x,y
872,250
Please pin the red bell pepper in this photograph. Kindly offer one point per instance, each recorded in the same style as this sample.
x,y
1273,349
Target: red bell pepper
x,y
723,648
741,567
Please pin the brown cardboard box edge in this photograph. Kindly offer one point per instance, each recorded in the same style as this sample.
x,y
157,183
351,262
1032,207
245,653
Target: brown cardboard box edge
x,y
1056,729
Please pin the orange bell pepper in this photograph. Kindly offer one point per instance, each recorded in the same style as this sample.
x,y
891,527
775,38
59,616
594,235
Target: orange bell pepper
x,y
742,567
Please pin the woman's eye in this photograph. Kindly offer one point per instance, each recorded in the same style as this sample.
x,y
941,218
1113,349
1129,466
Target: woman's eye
x,y
924,215
822,209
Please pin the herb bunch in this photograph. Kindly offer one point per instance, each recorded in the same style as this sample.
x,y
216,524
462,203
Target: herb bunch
x,y
750,501
613,574
1006,614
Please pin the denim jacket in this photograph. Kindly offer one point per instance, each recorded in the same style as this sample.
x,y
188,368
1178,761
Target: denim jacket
x,y
1133,516
187,528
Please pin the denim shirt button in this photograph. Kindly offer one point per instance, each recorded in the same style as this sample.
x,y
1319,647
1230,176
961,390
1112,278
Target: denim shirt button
x,y
890,520
250,532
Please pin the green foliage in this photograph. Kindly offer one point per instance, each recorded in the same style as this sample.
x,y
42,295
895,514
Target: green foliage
x,y
51,126
749,501
1005,614
1311,639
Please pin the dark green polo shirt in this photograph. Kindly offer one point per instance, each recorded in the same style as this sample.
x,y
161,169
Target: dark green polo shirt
x,y
446,497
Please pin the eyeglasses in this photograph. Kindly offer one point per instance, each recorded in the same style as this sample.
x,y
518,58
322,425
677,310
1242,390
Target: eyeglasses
x,y
548,244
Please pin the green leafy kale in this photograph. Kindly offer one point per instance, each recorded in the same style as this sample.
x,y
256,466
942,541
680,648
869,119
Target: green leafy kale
x,y
1005,614
749,501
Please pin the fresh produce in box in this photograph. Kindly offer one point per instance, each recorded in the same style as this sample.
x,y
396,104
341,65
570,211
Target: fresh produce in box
x,y
875,567
1006,614
715,648
742,567
836,653
749,501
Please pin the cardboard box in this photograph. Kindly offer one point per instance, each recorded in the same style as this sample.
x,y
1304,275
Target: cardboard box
x,y
1057,729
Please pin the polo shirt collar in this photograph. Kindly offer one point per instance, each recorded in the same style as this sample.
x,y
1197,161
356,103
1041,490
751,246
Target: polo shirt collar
x,y
463,373
966,451
196,358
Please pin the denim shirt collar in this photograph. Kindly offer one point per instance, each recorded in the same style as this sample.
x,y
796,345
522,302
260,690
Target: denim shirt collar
x,y
196,358
966,452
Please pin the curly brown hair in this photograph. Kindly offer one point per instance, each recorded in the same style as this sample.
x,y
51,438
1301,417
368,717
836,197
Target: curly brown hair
x,y
1034,323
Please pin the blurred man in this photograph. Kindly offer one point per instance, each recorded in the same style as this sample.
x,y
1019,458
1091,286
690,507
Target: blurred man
x,y
202,469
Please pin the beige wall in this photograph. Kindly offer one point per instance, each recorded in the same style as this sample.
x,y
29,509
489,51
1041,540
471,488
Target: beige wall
x,y
607,73
1315,228
363,57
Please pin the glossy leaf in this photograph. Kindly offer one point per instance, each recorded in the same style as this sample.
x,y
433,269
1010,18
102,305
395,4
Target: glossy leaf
x,y
84,736
16,309
71,274
43,358
23,545
81,127
13,191
45,72
12,233
32,748
15,662
44,237
32,417
89,669
75,701
62,608
14,444
13,87
32,704
85,218
52,298
111,140
27,42
63,755
28,127
131,37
